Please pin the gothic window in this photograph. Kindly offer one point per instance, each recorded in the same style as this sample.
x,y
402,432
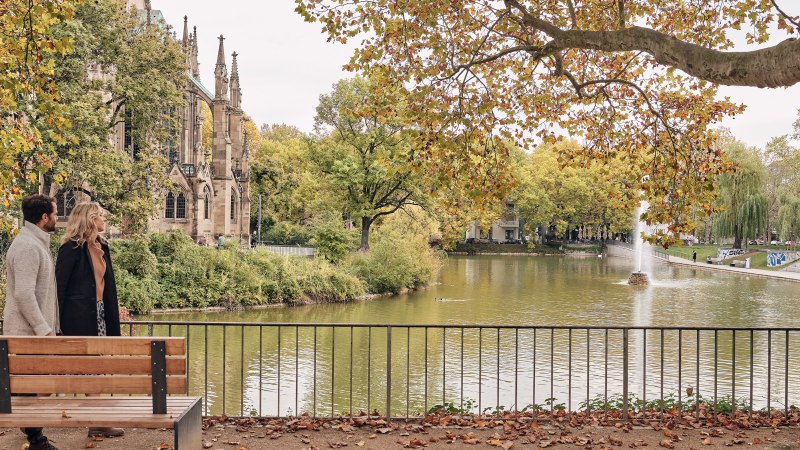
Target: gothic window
x,y
69,202
169,207
173,152
180,207
207,205
233,207
65,202
129,142
60,204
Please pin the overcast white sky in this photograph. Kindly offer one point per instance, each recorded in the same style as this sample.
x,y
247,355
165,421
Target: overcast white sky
x,y
285,64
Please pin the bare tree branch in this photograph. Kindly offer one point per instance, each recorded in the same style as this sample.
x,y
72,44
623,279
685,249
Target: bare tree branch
x,y
789,18
572,16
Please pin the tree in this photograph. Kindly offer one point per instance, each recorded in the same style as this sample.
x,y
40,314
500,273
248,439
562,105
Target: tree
x,y
364,156
28,96
122,73
782,161
281,173
742,203
638,79
560,197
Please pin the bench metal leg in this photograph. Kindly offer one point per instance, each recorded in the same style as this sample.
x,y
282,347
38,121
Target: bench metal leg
x,y
189,428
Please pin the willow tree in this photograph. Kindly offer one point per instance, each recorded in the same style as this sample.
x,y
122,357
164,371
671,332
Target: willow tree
x,y
636,78
742,202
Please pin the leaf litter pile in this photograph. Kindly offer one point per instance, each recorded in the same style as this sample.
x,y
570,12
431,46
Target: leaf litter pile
x,y
595,430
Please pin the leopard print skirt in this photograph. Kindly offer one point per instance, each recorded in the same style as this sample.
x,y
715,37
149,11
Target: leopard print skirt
x,y
101,319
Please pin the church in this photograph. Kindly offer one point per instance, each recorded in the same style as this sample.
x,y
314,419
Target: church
x,y
211,193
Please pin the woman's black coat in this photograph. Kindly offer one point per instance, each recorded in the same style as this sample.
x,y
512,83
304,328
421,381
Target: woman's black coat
x,y
76,288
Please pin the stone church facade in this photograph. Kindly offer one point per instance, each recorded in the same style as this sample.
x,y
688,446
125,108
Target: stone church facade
x,y
211,189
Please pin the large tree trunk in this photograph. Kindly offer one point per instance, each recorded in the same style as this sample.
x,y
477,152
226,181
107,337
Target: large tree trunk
x,y
366,222
737,237
47,182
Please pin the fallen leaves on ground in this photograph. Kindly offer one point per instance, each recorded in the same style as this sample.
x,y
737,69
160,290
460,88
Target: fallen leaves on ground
x,y
563,427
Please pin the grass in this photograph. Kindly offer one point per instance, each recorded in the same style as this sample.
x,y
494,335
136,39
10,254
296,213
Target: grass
x,y
685,252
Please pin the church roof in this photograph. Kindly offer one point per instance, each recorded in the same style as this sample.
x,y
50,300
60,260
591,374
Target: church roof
x,y
156,18
200,86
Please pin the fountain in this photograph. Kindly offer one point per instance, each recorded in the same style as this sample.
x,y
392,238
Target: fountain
x,y
641,250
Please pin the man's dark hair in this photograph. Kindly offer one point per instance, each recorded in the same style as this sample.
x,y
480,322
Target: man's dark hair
x,y
35,206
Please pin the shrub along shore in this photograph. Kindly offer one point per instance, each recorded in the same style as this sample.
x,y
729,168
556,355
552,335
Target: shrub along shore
x,y
170,271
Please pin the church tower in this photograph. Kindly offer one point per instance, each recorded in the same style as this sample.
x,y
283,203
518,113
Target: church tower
x,y
226,195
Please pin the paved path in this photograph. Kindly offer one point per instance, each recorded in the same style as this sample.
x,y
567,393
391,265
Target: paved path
x,y
791,276
227,437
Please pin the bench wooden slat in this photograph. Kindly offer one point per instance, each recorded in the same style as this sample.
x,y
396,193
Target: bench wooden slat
x,y
92,384
91,345
97,402
89,365
130,412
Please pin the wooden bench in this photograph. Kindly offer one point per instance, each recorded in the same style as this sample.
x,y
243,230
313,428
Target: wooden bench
x,y
148,368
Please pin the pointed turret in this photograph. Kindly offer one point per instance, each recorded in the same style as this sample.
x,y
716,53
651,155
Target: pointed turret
x,y
195,65
148,9
236,92
221,73
185,32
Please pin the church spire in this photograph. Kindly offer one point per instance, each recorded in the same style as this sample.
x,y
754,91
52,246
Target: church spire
x,y
236,92
221,73
195,64
185,32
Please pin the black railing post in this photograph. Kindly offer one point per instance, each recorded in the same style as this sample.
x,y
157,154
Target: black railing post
x,y
158,358
5,379
388,372
625,374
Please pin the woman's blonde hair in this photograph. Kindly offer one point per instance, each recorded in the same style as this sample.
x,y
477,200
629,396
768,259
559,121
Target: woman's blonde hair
x,y
80,226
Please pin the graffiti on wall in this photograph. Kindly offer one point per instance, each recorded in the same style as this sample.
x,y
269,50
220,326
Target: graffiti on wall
x,y
776,259
725,253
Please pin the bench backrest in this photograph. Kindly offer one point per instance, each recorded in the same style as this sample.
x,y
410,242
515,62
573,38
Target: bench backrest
x,y
92,365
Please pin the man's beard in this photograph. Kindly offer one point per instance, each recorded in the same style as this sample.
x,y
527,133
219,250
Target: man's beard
x,y
50,226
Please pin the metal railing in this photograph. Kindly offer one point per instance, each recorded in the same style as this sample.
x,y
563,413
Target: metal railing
x,y
285,369
289,250
628,246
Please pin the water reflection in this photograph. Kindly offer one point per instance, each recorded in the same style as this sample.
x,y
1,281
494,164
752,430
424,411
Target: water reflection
x,y
281,370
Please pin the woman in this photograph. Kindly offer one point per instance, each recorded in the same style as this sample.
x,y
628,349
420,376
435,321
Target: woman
x,y
87,291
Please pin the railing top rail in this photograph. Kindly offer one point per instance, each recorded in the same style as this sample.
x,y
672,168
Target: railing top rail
x,y
452,326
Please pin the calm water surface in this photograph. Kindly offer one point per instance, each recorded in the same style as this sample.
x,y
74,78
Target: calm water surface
x,y
260,370
522,290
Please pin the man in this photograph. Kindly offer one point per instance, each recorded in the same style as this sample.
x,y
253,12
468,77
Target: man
x,y
694,256
31,304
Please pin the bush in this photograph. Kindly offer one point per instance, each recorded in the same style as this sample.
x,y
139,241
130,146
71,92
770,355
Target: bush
x,y
170,271
286,233
399,257
138,295
134,256
331,239
166,245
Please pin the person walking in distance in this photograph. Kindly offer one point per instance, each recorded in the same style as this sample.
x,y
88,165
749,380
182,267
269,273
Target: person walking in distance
x,y
31,307
694,256
87,290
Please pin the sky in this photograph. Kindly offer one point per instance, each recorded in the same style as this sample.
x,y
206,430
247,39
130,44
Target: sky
x,y
285,64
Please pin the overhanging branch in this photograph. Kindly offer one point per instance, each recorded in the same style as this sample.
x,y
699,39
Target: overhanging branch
x,y
776,66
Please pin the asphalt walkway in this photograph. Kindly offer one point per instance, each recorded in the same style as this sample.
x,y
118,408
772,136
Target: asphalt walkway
x,y
790,276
